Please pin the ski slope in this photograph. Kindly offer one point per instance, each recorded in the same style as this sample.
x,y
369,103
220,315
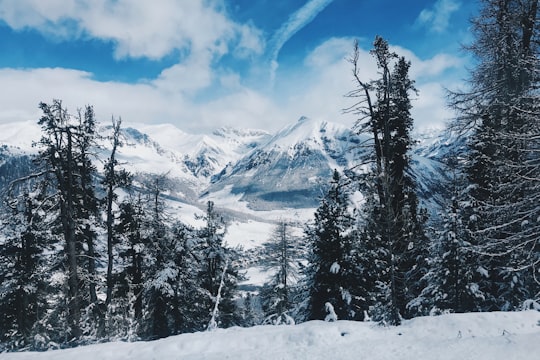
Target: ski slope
x,y
489,336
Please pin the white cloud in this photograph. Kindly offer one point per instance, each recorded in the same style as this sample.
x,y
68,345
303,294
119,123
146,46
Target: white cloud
x,y
295,23
199,30
149,102
437,18
315,89
138,28
429,68
430,110
330,79
251,41
190,76
244,108
320,90
134,102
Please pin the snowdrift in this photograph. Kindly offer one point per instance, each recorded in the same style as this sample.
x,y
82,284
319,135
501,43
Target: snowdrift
x,y
498,335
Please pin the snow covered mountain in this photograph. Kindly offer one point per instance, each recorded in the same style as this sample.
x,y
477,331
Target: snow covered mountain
x,y
291,169
288,169
206,155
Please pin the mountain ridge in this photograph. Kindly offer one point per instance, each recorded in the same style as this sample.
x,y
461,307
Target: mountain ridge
x,y
287,169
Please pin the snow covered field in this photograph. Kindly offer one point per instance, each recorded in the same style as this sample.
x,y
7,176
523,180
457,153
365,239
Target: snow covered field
x,y
457,336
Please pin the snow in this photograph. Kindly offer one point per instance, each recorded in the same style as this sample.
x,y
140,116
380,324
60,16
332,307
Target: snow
x,y
248,234
256,276
225,198
334,268
497,335
227,145
331,316
481,270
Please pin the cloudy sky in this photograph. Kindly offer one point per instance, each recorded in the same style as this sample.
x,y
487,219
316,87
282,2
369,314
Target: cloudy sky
x,y
203,64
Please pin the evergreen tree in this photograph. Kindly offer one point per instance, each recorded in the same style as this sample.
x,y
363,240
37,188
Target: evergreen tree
x,y
332,272
23,298
281,256
186,315
58,155
127,296
60,211
452,280
394,225
114,178
501,110
158,272
216,263
65,176
88,221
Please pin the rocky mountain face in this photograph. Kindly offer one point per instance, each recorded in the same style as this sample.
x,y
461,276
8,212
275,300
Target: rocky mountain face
x,y
288,169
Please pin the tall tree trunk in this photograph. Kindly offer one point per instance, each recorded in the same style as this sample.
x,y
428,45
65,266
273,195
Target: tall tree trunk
x,y
68,216
111,184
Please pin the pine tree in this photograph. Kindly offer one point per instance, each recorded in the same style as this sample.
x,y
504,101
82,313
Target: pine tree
x,y
23,298
217,263
114,178
280,257
88,220
127,296
332,272
120,321
452,280
66,175
159,273
501,109
393,233
58,156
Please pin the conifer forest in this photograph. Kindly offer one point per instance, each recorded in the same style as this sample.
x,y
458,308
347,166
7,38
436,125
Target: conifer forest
x,y
91,252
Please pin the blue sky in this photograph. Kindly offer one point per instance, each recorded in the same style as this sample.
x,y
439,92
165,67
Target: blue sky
x,y
203,64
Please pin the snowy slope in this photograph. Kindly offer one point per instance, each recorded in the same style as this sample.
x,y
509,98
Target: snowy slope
x,y
206,155
474,336
292,169
20,135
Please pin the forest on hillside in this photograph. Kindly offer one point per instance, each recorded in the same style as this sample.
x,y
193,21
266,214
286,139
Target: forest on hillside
x,y
91,256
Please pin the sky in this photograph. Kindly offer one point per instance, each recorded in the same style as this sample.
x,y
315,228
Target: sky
x,y
205,64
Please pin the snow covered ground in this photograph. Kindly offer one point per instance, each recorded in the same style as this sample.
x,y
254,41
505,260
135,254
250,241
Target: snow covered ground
x,y
457,336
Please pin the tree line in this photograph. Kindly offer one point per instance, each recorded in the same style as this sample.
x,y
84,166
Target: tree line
x,y
91,257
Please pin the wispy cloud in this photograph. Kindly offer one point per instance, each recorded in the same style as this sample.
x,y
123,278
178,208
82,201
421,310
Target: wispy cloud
x,y
295,23
437,18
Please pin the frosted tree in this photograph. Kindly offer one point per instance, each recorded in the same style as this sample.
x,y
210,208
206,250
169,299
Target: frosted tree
x,y
281,258
126,303
501,110
332,273
452,280
89,221
393,223
23,276
64,157
159,270
62,186
114,178
212,256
